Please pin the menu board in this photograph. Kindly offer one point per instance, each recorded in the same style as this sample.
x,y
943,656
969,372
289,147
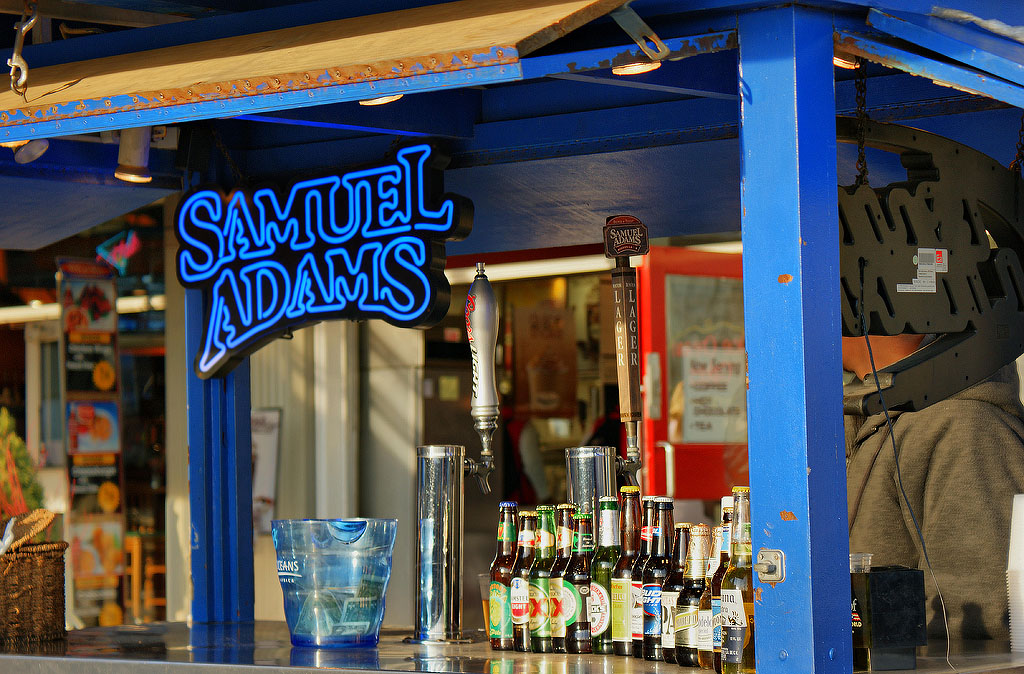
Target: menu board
x,y
92,406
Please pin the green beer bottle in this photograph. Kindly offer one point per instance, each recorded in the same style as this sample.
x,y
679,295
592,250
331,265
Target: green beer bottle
x,y
738,592
540,573
601,575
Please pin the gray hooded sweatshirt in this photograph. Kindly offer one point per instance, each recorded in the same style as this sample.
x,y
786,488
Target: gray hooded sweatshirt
x,y
961,461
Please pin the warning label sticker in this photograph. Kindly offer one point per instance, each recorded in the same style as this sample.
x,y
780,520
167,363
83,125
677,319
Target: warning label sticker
x,y
929,262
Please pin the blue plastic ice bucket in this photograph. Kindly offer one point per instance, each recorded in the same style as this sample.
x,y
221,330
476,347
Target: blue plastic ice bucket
x,y
334,574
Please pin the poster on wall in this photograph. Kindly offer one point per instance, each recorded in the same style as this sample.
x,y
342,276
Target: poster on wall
x,y
266,440
714,395
93,427
95,484
90,362
545,361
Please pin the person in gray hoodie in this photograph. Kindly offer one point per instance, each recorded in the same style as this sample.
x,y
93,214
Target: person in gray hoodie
x,y
961,460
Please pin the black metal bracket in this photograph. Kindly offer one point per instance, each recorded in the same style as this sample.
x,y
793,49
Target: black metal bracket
x,y
937,254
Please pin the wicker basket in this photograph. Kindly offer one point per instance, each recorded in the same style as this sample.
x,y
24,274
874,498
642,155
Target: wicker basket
x,y
32,591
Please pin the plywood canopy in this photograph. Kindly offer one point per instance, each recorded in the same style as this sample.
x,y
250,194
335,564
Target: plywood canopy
x,y
423,41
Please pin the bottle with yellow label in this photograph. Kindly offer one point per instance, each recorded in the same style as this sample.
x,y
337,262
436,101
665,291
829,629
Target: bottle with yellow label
x,y
738,592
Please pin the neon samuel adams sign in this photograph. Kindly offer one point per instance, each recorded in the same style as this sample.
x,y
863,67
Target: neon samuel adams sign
x,y
364,244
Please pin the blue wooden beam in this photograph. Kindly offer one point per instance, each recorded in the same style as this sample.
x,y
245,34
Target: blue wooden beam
x,y
856,39
961,42
87,118
220,484
792,326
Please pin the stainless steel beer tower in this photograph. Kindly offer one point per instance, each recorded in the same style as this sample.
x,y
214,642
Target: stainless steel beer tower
x,y
439,482
439,498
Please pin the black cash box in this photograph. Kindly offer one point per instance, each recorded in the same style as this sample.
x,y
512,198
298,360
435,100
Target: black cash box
x,y
888,607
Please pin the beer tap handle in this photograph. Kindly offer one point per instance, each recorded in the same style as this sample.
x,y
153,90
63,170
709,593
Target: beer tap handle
x,y
482,332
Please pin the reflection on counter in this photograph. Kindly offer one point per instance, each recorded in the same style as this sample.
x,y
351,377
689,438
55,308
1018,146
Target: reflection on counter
x,y
163,648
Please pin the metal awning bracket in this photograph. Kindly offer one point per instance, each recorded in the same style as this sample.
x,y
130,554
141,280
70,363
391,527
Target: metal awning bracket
x,y
640,32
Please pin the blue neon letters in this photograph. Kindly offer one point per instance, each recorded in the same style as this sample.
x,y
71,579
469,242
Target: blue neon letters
x,y
364,244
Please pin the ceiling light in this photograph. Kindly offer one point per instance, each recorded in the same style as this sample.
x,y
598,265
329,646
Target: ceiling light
x,y
637,68
381,100
26,151
133,155
846,62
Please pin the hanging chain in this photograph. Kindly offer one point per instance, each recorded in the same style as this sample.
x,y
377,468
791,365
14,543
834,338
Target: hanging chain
x,y
1017,165
860,84
19,68
232,164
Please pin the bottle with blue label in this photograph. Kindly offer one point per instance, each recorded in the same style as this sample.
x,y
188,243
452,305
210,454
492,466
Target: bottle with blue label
x,y
655,571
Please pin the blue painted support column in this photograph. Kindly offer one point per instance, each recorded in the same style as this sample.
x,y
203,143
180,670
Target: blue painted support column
x,y
220,485
792,313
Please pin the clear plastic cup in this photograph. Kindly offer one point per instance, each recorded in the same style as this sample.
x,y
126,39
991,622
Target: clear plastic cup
x,y
860,562
334,574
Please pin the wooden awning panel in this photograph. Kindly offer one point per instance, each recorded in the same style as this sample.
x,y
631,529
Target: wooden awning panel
x,y
432,40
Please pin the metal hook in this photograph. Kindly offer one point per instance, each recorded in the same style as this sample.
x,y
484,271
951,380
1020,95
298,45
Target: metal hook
x,y
19,68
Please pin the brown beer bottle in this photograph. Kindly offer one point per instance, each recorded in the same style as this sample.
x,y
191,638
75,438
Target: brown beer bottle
x,y
655,572
563,541
499,602
576,588
716,582
670,592
519,588
688,603
705,631
622,588
637,577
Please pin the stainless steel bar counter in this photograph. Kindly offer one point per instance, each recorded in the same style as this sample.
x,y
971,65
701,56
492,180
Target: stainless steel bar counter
x,y
264,648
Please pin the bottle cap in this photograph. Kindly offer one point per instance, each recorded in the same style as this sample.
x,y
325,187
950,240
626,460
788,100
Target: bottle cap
x,y
663,499
508,504
528,513
629,489
608,499
546,509
741,490
726,502
682,525
566,506
581,516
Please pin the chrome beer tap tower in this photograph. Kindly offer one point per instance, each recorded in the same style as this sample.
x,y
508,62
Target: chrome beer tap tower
x,y
440,471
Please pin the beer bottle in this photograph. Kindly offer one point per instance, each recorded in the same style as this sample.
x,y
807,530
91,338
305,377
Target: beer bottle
x,y
670,592
576,588
601,575
499,601
655,572
540,573
622,591
716,582
738,592
688,603
705,631
563,536
637,576
520,586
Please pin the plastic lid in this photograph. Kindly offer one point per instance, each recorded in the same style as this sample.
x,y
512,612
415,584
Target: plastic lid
x,y
741,490
581,516
629,489
546,509
566,506
508,504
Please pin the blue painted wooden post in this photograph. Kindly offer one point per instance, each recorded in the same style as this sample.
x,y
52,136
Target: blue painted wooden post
x,y
220,485
792,313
